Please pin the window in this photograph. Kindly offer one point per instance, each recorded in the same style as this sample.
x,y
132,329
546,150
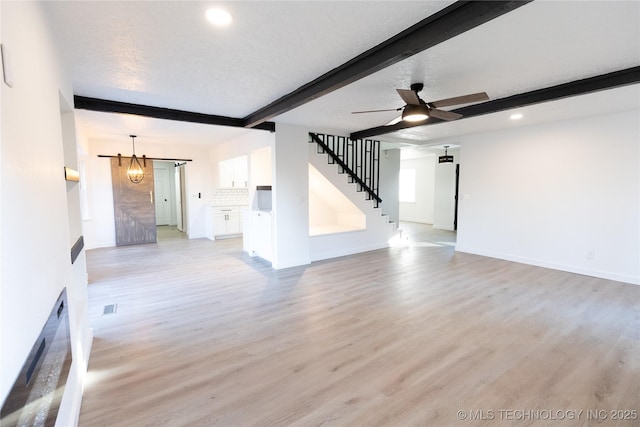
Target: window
x,y
407,191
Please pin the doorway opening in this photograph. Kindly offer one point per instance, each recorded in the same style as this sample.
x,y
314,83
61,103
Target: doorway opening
x,y
428,194
169,183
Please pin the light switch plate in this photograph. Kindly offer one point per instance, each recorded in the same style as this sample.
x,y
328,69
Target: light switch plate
x,y
6,70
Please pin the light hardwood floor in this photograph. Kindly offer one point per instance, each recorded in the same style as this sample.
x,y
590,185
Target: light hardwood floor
x,y
204,335
168,232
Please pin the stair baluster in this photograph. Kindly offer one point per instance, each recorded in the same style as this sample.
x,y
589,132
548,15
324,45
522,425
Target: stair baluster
x,y
360,159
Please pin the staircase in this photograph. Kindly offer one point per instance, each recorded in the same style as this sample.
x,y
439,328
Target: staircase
x,y
353,168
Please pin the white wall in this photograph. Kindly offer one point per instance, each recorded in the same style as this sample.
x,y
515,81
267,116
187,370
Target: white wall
x,y
100,229
422,210
77,295
388,187
39,218
290,197
321,213
378,233
329,209
290,157
563,195
98,226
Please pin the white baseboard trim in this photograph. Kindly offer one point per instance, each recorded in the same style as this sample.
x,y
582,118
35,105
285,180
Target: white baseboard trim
x,y
553,266
348,251
197,236
443,227
69,412
290,263
99,245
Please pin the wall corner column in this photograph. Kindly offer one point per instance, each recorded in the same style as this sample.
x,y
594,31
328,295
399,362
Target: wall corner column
x,y
290,197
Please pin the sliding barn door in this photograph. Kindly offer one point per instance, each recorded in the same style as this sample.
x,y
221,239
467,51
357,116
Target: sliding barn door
x,y
134,210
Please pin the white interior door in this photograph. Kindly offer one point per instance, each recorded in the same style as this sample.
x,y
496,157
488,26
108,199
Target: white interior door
x,y
164,200
181,199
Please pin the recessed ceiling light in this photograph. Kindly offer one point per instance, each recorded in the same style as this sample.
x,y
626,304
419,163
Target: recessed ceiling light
x,y
516,116
219,17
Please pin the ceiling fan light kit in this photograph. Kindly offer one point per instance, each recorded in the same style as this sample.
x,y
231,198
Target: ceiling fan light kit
x,y
415,113
416,109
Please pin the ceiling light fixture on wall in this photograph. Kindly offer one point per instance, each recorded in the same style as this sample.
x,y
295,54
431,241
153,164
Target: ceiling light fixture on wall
x,y
135,172
516,116
219,17
415,113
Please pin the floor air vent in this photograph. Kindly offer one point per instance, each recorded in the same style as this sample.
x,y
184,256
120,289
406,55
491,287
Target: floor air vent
x,y
110,309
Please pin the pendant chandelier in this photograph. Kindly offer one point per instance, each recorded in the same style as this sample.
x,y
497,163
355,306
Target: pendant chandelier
x,y
135,172
446,158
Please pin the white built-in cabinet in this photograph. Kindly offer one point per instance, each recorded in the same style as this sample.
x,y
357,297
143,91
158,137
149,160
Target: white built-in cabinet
x,y
227,221
257,236
234,172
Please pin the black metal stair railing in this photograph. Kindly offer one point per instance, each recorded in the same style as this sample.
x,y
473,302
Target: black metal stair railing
x,y
360,159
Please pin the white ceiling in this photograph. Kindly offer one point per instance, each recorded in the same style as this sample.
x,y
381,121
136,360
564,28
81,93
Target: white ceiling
x,y
109,127
165,54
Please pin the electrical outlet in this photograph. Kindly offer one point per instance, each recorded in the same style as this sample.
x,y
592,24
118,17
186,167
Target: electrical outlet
x,y
591,254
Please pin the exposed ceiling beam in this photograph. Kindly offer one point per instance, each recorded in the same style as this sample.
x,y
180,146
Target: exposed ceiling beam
x,y
107,106
437,28
612,80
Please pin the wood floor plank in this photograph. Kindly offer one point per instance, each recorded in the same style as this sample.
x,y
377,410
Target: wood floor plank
x,y
204,335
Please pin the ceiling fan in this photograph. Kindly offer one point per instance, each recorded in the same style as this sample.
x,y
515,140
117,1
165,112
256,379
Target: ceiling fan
x,y
416,109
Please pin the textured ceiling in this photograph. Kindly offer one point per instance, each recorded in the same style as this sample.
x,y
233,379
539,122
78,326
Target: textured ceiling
x,y
165,54
108,127
536,46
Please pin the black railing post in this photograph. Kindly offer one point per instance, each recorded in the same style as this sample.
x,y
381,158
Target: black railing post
x,y
376,187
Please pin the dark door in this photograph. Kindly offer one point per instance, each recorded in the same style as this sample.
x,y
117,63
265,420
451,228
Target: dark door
x,y
455,214
134,210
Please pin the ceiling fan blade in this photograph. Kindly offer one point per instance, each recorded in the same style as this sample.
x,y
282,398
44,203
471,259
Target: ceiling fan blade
x,y
409,96
465,99
444,115
376,111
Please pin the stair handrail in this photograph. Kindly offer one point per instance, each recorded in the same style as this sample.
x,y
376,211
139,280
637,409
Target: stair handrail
x,y
344,166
